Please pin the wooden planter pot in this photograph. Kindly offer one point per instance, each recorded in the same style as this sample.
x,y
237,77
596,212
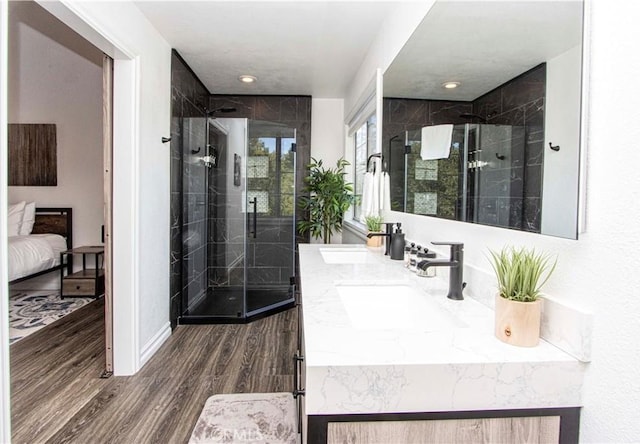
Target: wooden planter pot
x,y
375,241
518,323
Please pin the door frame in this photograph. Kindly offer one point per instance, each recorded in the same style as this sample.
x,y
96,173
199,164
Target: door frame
x,y
126,146
5,382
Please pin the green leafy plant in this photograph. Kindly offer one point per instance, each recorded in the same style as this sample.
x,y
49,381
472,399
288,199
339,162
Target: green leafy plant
x,y
521,272
374,223
330,196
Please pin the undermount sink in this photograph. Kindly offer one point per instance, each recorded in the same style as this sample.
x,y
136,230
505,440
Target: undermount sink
x,y
397,307
344,255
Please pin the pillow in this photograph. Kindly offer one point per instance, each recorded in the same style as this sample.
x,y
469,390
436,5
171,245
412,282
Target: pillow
x,y
14,218
28,219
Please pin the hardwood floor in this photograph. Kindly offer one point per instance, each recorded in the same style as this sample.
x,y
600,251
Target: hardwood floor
x,y
58,397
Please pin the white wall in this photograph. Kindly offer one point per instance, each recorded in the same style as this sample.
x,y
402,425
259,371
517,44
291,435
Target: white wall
x,y
599,271
56,78
562,128
327,143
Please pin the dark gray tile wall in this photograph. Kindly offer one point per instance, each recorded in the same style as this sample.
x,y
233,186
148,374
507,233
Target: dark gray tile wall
x,y
188,276
520,102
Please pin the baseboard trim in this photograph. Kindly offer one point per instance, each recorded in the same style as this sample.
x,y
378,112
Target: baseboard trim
x,y
155,343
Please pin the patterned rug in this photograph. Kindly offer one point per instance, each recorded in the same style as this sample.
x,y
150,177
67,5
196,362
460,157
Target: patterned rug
x,y
33,310
247,417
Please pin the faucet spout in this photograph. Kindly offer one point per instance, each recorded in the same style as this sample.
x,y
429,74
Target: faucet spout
x,y
386,235
370,235
423,265
455,263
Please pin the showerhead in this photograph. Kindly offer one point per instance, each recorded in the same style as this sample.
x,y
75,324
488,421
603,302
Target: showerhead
x,y
223,109
475,117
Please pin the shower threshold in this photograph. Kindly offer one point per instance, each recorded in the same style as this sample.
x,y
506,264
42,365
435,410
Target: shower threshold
x,y
225,305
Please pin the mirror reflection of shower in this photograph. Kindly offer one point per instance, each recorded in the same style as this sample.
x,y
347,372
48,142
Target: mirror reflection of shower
x,y
488,177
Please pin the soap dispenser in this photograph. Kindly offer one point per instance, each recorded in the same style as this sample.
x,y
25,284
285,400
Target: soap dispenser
x,y
397,244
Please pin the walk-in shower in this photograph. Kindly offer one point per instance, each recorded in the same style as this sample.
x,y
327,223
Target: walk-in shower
x,y
238,218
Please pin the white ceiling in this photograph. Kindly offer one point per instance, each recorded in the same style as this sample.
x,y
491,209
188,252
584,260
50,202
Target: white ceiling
x,y
293,47
313,47
481,44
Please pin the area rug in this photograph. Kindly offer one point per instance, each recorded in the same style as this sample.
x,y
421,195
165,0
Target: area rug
x,y
247,417
30,311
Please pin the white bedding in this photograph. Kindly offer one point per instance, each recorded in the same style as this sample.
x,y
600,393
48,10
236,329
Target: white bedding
x,y
34,253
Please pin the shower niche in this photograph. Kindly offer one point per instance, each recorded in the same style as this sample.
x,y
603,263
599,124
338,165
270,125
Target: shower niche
x,y
238,219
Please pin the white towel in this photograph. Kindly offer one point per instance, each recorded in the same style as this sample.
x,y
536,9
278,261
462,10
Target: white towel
x,y
367,196
385,192
436,142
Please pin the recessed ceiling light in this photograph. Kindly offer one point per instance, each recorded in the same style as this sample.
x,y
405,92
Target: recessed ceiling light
x,y
245,78
450,85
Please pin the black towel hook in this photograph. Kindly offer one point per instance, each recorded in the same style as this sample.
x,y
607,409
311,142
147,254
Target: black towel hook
x,y
554,148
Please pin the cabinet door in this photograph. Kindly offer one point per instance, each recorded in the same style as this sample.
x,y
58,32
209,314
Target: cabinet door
x,y
539,429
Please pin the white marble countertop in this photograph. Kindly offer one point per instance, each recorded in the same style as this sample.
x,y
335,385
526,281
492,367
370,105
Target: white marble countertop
x,y
450,362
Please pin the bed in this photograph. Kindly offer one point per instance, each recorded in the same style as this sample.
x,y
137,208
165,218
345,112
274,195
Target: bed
x,y
39,252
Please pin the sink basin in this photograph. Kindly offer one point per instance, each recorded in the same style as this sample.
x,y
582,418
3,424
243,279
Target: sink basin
x,y
397,307
344,255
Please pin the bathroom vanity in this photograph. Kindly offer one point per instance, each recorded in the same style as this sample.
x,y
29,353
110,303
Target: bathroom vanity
x,y
386,354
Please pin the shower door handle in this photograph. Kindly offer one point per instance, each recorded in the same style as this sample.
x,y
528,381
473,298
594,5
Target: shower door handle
x,y
254,201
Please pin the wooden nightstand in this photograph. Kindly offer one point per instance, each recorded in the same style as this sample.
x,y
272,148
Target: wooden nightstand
x,y
86,282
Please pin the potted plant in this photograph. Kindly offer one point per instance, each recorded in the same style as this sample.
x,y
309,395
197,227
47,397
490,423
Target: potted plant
x,y
330,196
521,273
374,225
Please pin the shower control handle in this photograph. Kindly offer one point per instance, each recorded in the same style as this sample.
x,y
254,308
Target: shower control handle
x,y
254,201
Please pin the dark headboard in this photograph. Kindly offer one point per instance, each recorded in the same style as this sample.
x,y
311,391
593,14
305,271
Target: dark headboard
x,y
55,221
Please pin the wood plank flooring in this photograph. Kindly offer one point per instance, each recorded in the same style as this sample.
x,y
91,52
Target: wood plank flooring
x,y
58,397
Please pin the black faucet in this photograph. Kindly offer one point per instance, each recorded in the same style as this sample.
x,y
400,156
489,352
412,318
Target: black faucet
x,y
456,263
386,235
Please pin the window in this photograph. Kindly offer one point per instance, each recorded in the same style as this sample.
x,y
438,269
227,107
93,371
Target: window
x,y
365,143
270,174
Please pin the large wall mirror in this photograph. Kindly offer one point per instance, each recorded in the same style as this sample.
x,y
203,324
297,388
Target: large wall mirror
x,y
502,147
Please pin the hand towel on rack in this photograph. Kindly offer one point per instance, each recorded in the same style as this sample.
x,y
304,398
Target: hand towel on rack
x,y
371,192
385,192
367,196
436,142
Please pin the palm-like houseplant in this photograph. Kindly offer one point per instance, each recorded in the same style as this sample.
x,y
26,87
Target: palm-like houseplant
x,y
330,196
521,273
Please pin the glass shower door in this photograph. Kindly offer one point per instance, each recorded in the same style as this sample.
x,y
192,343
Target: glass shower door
x,y
270,198
240,214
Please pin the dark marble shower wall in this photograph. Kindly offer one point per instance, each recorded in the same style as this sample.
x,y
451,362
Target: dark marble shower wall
x,y
188,99
519,102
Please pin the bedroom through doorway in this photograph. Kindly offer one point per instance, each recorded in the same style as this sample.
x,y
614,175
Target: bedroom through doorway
x,y
61,84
